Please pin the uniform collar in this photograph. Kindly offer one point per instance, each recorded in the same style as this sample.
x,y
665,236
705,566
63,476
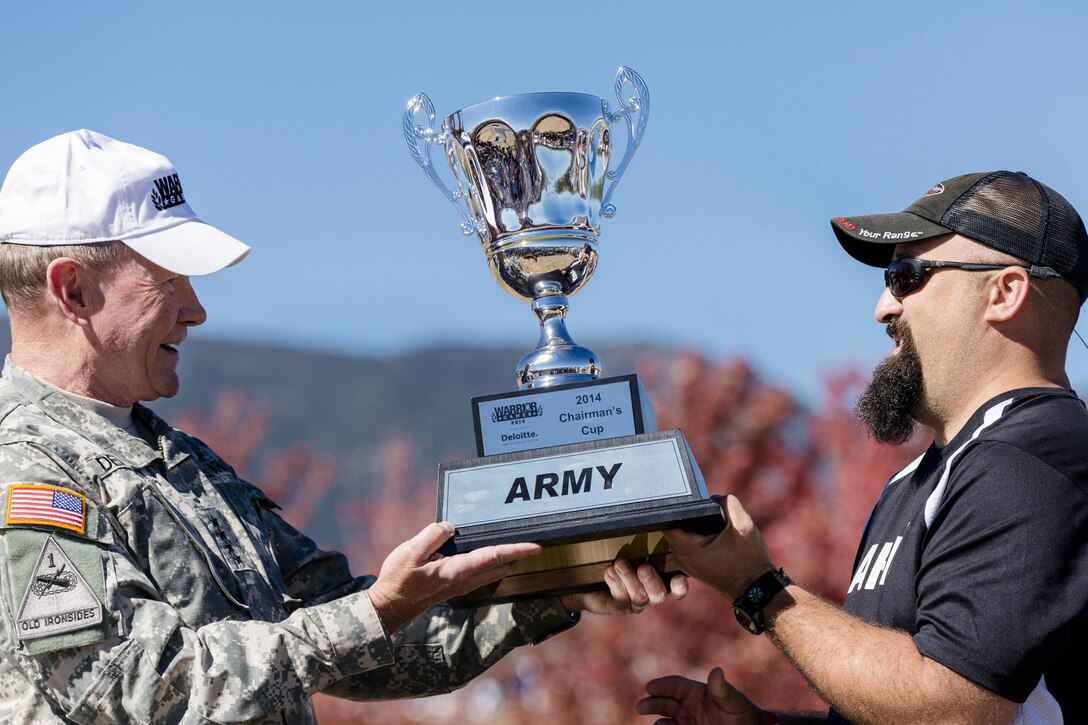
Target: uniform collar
x,y
99,430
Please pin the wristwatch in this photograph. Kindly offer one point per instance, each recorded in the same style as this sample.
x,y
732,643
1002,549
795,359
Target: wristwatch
x,y
748,608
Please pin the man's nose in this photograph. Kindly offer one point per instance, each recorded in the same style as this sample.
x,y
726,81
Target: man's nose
x,y
887,307
192,313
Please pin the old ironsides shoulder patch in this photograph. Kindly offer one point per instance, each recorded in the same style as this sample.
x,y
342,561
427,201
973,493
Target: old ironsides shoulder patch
x,y
58,599
42,505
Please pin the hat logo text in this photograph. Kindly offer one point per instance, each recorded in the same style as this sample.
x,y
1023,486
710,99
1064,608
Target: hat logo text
x,y
935,189
888,235
167,192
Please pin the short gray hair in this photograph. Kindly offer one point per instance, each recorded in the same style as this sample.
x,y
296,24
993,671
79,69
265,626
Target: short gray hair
x,y
23,267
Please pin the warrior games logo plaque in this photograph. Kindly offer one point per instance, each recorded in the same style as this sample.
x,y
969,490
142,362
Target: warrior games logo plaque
x,y
571,460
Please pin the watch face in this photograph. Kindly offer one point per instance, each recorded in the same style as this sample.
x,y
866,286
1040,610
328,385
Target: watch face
x,y
749,608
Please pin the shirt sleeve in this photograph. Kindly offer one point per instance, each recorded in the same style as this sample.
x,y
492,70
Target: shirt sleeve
x,y
1004,570
445,648
437,652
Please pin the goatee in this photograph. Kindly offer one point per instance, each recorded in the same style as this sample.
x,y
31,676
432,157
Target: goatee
x,y
894,396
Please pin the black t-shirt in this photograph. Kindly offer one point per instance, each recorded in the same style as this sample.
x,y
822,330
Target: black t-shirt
x,y
979,550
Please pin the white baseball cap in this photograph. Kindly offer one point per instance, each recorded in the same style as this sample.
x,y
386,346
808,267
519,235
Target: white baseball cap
x,y
83,188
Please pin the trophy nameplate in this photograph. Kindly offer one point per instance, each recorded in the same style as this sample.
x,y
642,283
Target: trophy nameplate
x,y
561,414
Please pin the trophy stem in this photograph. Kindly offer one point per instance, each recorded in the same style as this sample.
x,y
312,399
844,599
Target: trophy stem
x,y
557,359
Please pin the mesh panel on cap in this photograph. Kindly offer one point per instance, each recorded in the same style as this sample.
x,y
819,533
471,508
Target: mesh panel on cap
x,y
1066,228
1018,215
1006,212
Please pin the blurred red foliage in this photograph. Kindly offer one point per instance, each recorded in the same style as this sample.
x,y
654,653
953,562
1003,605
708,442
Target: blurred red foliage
x,y
807,477
297,478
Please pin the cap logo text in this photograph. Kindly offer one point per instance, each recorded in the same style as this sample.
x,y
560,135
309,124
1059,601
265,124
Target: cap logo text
x,y
167,192
935,189
844,223
888,235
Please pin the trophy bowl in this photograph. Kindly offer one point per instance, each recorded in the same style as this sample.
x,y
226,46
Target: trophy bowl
x,y
537,164
532,179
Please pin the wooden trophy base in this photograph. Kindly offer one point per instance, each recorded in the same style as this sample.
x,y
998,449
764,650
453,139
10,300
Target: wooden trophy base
x,y
578,566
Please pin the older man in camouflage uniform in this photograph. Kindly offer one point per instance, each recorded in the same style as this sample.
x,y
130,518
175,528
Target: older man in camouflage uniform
x,y
142,580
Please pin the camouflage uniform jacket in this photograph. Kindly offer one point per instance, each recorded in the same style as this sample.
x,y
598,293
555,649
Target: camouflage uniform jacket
x,y
186,598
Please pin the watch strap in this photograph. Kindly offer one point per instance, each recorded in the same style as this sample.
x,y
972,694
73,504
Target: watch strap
x,y
748,608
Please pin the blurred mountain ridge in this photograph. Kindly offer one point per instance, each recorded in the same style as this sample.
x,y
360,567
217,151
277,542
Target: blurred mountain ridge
x,y
346,404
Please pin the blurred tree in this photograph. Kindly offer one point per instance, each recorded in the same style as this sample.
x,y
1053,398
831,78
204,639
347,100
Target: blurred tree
x,y
808,477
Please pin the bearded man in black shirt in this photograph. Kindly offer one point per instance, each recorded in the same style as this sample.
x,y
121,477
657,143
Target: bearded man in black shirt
x,y
969,598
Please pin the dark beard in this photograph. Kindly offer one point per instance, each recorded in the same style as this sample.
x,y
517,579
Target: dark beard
x,y
894,395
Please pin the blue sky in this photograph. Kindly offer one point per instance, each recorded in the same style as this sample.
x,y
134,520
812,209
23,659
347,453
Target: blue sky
x,y
767,119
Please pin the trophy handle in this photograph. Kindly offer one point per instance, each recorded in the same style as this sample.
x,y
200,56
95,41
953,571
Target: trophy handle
x,y
420,137
635,110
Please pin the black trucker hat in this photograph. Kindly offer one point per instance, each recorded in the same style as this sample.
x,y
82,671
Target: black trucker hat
x,y
1008,211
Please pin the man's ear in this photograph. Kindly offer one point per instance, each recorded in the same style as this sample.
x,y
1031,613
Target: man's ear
x,y
70,286
1007,294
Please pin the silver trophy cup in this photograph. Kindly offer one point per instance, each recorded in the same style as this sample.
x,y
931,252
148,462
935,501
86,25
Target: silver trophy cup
x,y
532,178
571,461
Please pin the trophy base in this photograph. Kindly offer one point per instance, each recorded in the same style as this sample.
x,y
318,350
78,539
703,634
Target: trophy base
x,y
587,502
576,554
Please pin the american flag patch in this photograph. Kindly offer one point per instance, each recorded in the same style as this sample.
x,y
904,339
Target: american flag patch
x,y
46,506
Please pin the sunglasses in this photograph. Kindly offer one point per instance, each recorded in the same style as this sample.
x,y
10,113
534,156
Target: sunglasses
x,y
904,276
